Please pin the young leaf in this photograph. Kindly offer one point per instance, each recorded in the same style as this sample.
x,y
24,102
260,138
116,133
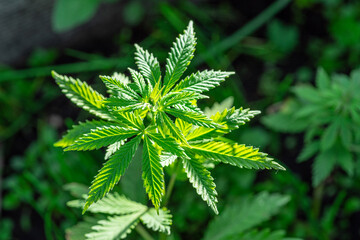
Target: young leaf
x,y
148,65
139,81
191,115
111,172
181,97
77,131
234,154
162,118
202,81
153,174
202,181
100,137
179,57
247,213
117,227
82,95
121,88
168,144
159,222
322,79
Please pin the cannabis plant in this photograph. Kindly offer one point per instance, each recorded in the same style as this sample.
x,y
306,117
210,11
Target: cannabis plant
x,y
162,114
329,114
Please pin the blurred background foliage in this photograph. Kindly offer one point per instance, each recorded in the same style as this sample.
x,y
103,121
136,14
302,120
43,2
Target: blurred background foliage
x,y
275,48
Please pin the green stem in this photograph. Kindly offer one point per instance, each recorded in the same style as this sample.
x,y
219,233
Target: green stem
x,y
171,185
317,199
143,233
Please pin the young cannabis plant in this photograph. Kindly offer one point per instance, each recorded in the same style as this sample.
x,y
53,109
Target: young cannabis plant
x,y
163,115
329,115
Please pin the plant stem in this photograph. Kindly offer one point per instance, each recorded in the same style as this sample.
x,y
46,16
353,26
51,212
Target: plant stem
x,y
143,233
171,185
317,199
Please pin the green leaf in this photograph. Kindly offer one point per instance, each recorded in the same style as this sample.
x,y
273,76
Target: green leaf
x,y
179,57
157,221
82,95
234,154
202,181
168,144
119,102
309,150
129,118
139,81
202,81
101,137
323,165
329,136
245,214
116,227
265,234
153,174
286,123
111,172
307,93
78,231
322,79
111,204
122,89
148,65
111,149
181,97
77,131
68,14
166,159
192,115
162,118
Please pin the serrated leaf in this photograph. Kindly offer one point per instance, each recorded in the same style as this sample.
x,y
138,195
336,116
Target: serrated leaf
x,y
117,227
111,172
309,150
322,79
82,95
157,221
323,165
148,65
307,93
166,159
101,137
184,127
285,123
78,231
329,136
153,174
112,203
129,118
139,81
168,144
192,115
123,90
202,181
202,81
77,131
181,97
173,129
179,57
110,150
119,102
265,234
234,154
245,214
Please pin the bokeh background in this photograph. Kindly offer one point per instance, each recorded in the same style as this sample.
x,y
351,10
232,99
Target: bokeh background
x,y
273,46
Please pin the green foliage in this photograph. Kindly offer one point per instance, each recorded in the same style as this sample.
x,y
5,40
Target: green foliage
x,y
329,115
164,115
121,217
239,219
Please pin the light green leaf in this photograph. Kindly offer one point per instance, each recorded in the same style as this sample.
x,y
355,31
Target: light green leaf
x,y
153,174
192,115
116,227
234,154
111,172
181,97
179,57
245,214
184,127
162,118
166,159
122,89
68,14
139,81
202,81
307,93
157,221
78,231
101,137
148,66
202,181
82,95
111,204
77,131
168,144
